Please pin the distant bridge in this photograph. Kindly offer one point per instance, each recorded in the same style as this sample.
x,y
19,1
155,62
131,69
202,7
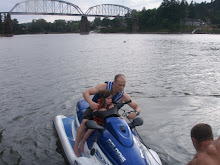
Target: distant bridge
x,y
58,7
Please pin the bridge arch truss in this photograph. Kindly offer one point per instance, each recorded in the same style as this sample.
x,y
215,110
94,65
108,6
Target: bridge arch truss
x,y
109,10
60,7
46,7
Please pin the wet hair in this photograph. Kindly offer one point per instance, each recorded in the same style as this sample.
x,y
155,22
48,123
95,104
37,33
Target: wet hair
x,y
202,132
103,95
118,76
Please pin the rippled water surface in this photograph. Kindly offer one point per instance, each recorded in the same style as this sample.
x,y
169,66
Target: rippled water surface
x,y
174,78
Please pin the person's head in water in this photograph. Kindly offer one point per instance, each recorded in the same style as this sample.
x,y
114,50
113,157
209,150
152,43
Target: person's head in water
x,y
201,132
119,82
105,98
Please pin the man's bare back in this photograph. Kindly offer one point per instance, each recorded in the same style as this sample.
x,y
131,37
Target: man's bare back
x,y
210,156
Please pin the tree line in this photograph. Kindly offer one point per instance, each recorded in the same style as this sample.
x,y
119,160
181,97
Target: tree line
x,y
6,28
170,16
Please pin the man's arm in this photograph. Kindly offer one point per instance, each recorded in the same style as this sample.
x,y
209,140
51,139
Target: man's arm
x,y
92,91
132,104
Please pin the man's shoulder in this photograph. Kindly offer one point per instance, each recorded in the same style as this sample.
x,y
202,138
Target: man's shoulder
x,y
101,86
107,82
97,89
218,142
214,147
209,156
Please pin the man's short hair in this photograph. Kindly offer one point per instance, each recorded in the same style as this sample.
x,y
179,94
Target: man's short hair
x,y
202,132
119,75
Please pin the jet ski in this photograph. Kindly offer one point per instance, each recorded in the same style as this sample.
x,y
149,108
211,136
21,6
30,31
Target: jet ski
x,y
114,143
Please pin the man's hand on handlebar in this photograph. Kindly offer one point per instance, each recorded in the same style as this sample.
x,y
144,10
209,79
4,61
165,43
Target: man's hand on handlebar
x,y
131,115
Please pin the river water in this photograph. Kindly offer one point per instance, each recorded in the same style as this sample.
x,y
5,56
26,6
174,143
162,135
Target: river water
x,y
174,78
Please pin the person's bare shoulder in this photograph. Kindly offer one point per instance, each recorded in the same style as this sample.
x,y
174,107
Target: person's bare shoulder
x,y
101,87
97,89
211,156
213,148
218,144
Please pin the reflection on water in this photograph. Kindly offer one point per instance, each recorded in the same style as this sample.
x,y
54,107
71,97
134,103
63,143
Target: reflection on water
x,y
174,78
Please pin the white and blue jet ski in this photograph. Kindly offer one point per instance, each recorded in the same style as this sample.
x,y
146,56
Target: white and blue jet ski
x,y
114,143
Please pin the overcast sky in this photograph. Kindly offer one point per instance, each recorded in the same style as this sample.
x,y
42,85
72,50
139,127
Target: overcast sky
x,y
7,5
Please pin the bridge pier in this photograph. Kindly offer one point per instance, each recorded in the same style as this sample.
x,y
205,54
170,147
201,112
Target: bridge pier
x,y
84,25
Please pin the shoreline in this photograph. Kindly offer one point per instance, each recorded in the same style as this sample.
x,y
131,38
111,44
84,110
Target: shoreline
x,y
92,32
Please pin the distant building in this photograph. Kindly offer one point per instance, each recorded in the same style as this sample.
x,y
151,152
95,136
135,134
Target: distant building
x,y
194,22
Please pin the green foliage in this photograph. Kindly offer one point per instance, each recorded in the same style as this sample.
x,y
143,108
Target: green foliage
x,y
8,30
42,26
97,21
171,13
38,26
106,22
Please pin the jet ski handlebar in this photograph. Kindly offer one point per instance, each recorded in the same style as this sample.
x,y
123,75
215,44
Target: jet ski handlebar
x,y
112,112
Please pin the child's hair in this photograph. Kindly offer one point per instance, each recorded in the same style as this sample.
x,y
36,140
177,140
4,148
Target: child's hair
x,y
103,96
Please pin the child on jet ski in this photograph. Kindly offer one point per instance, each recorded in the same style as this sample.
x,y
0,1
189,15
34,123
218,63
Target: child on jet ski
x,y
105,102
